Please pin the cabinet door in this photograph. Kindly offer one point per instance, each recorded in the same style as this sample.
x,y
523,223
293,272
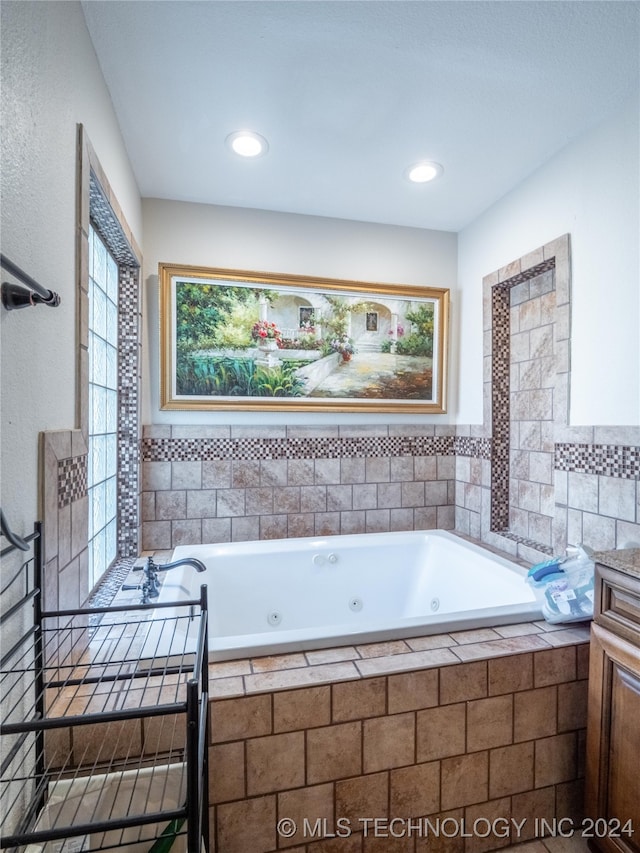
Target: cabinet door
x,y
613,741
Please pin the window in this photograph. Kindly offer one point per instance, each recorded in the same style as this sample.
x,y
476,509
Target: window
x,y
103,407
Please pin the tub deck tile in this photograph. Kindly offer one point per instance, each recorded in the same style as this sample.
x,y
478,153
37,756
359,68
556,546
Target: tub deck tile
x,y
505,646
325,666
478,635
580,633
331,655
399,663
434,641
226,688
386,649
517,630
272,663
288,678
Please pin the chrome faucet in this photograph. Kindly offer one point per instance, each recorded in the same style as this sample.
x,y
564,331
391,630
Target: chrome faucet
x,y
150,586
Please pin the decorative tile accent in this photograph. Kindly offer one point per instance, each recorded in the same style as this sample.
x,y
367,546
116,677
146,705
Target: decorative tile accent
x,y
72,480
610,460
500,411
479,448
529,543
110,585
501,387
128,410
107,223
249,449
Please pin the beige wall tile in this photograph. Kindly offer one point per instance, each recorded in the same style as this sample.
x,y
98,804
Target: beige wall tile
x,y
582,653
534,713
443,840
510,674
413,691
388,742
226,772
464,682
57,745
415,790
300,525
104,741
273,526
572,705
236,719
385,842
162,734
275,763
570,800
554,666
359,699
350,844
441,732
532,807
490,825
302,709
555,759
334,752
363,796
511,769
306,804
465,780
248,825
489,722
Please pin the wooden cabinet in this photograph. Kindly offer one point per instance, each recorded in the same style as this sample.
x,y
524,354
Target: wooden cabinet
x,y
613,731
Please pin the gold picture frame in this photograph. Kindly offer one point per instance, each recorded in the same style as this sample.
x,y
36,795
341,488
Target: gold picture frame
x,y
237,340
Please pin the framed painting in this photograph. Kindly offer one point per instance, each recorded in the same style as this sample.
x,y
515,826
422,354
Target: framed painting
x,y
234,340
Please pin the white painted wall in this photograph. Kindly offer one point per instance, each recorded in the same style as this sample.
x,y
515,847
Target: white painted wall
x,y
590,190
51,81
237,238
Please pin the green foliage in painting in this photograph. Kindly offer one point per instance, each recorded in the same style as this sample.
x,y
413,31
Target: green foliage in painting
x,y
202,309
236,377
234,328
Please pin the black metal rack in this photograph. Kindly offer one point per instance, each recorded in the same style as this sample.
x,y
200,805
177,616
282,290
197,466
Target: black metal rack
x,y
105,723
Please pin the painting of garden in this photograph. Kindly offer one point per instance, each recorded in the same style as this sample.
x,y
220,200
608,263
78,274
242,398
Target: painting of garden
x,y
237,340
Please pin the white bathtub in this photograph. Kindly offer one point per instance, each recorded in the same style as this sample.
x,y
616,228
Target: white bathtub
x,y
309,593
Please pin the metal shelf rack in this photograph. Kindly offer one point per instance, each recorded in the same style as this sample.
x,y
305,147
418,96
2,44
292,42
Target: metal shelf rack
x,y
104,730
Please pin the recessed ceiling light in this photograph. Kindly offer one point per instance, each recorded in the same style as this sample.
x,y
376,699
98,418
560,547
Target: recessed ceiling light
x,y
246,143
424,171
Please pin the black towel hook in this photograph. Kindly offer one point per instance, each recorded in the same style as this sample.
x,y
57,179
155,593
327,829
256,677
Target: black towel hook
x,y
14,296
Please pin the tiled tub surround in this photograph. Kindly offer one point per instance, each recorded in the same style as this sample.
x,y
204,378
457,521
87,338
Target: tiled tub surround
x,y
221,484
544,484
474,725
468,726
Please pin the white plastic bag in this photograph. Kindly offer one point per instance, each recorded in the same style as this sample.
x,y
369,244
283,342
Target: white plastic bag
x,y
568,595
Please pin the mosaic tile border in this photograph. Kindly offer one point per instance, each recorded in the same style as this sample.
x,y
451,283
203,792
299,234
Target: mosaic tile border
x,y
500,392
609,460
110,228
500,403
250,449
478,448
72,480
129,346
528,543
100,206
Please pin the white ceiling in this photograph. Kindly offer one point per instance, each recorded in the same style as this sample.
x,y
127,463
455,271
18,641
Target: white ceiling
x,y
351,93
